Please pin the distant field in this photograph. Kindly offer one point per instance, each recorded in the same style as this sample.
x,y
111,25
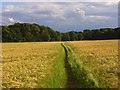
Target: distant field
x,y
29,64
101,58
49,64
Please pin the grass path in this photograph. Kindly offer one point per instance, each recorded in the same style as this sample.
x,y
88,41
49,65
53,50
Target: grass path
x,y
60,65
29,64
77,75
71,83
96,60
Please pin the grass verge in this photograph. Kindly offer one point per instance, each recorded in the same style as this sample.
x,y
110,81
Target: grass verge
x,y
58,77
83,75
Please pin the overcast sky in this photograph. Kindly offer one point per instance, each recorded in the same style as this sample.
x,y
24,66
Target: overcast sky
x,y
62,16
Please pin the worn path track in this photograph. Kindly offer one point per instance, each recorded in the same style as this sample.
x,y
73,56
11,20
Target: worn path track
x,y
71,83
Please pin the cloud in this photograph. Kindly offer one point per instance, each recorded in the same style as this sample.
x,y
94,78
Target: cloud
x,y
8,8
99,17
80,11
93,18
61,15
11,19
60,1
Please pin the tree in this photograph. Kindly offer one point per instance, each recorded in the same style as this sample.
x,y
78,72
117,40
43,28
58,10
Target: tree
x,y
35,31
44,36
65,37
79,35
6,34
73,36
59,36
25,32
87,34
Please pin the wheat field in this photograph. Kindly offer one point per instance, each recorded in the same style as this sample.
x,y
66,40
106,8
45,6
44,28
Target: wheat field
x,y
25,65
41,64
101,58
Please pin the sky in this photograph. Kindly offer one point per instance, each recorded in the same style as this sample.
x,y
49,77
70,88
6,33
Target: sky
x,y
59,0
62,16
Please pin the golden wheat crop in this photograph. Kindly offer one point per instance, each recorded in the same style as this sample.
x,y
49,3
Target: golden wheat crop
x,y
101,57
25,65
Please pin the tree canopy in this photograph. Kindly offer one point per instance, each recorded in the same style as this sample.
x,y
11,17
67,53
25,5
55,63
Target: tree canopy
x,y
26,32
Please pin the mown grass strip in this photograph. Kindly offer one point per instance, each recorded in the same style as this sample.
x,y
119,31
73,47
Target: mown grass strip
x,y
83,76
71,81
58,77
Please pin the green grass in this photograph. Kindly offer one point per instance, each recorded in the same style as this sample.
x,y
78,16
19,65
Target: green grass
x,y
83,76
28,65
58,77
100,58
41,65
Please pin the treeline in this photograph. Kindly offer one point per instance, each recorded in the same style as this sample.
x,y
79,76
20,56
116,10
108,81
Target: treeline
x,y
25,32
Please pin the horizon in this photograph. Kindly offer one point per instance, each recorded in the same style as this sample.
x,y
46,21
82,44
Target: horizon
x,y
62,31
77,16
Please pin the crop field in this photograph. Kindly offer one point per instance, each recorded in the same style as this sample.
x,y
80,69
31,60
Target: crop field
x,y
28,64
100,58
72,64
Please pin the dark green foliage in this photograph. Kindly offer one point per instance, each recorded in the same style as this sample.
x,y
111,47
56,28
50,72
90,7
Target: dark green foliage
x,y
44,36
65,37
26,32
87,34
73,36
79,35
99,34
